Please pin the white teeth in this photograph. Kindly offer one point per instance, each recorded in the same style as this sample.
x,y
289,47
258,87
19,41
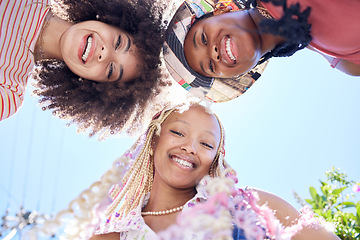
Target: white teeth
x,y
228,50
88,47
184,163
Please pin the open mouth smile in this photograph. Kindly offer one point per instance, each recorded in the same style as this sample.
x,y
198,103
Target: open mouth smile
x,y
87,48
183,162
228,50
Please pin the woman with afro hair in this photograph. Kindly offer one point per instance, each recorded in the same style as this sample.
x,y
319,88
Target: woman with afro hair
x,y
96,62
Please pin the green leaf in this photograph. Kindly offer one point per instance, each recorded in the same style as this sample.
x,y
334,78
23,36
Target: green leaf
x,y
348,204
337,191
358,209
313,193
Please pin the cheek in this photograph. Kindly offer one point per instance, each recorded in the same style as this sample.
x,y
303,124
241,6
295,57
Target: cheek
x,y
92,73
226,71
209,160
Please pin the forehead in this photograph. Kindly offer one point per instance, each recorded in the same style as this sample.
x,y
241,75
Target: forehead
x,y
197,119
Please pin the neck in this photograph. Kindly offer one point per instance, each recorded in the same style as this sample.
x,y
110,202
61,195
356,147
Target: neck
x,y
268,40
49,39
164,197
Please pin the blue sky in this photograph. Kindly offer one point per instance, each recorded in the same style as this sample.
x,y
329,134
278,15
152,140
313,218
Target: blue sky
x,y
300,119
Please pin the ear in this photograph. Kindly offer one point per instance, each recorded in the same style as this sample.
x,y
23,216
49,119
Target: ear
x,y
221,9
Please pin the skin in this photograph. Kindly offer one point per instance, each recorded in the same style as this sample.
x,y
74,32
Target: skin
x,y
205,52
205,44
193,136
343,65
112,58
187,136
287,215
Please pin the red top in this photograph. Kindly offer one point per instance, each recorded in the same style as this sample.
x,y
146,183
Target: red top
x,y
335,26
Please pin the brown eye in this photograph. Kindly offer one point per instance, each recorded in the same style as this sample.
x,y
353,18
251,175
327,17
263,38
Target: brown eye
x,y
118,42
203,38
111,69
211,67
207,145
177,133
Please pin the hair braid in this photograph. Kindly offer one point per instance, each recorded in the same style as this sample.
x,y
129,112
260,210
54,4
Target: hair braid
x,y
139,179
293,26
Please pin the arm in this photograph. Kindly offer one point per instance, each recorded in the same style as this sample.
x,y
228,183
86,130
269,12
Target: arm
x,y
347,67
10,101
287,215
342,65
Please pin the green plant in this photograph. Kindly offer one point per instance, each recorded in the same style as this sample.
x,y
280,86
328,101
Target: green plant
x,y
335,204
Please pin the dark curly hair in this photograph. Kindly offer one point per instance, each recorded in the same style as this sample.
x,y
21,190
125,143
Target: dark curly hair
x,y
293,26
106,107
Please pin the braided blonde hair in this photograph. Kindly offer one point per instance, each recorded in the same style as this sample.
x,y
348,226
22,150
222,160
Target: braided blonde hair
x,y
138,180
135,172
81,217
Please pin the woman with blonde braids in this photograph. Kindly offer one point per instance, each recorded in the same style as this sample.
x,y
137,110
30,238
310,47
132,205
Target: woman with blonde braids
x,y
180,187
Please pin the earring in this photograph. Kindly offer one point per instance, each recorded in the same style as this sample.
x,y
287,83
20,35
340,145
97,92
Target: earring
x,y
221,9
81,79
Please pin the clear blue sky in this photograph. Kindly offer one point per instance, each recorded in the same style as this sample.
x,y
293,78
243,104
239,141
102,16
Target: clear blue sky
x,y
300,119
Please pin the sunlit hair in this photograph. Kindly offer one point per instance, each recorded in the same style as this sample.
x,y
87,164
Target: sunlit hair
x,y
106,107
85,212
138,180
227,208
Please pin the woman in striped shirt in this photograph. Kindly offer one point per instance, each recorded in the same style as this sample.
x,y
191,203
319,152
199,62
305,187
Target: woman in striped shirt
x,y
90,56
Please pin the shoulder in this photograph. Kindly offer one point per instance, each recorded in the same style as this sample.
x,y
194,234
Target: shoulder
x,y
284,211
288,216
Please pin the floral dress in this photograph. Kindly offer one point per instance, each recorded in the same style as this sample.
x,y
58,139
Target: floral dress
x,y
133,226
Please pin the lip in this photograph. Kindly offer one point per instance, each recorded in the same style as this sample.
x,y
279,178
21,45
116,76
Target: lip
x,y
234,50
83,45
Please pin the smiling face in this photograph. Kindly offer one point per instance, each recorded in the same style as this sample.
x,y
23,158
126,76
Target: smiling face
x,y
100,52
223,46
186,147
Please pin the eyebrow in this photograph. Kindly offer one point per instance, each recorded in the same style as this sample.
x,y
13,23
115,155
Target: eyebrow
x,y
202,67
183,121
194,40
121,73
121,66
195,45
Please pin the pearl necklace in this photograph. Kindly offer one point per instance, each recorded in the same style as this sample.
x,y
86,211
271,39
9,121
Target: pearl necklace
x,y
38,51
174,210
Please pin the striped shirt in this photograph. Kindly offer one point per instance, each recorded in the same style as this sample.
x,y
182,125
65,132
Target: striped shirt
x,y
20,22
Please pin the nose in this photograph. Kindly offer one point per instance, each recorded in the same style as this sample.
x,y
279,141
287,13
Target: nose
x,y
103,54
189,147
215,53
